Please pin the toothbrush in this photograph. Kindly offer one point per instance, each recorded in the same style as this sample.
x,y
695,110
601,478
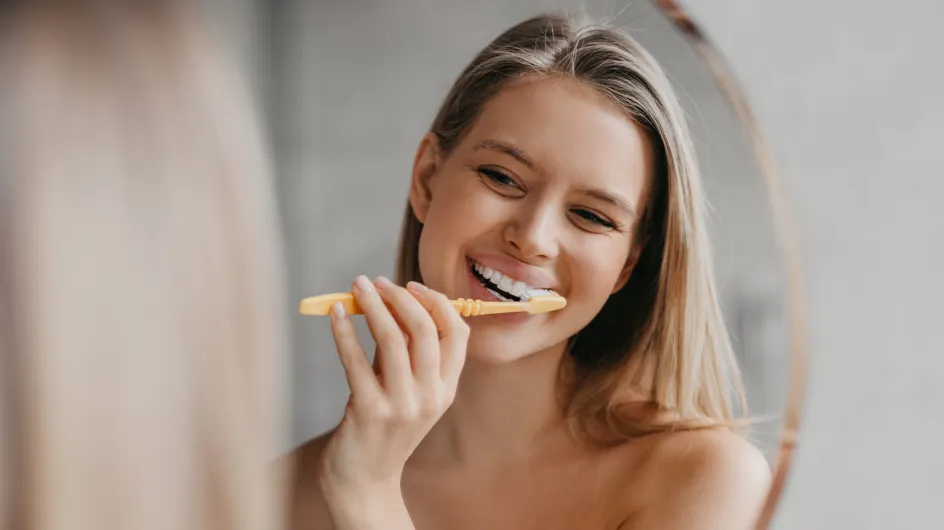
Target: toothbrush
x,y
539,302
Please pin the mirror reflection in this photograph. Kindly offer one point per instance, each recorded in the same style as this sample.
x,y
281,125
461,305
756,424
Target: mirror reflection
x,y
490,152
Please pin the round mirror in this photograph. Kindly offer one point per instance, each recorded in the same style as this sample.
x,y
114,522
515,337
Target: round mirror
x,y
353,91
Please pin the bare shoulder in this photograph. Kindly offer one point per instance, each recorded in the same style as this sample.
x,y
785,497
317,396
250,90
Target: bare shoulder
x,y
709,479
307,508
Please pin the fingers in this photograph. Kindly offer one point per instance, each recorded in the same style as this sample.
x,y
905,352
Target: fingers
x,y
357,370
416,322
420,336
392,354
453,331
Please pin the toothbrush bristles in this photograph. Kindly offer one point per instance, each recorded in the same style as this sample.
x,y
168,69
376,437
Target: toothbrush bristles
x,y
531,293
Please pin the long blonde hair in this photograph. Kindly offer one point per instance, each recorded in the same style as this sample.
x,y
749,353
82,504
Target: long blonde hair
x,y
663,333
141,326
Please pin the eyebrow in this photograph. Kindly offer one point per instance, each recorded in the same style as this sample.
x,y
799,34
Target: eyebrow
x,y
506,148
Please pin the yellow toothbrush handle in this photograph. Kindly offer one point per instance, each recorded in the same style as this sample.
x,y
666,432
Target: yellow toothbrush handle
x,y
474,308
321,305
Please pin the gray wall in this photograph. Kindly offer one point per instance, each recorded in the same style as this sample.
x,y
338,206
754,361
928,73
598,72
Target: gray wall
x,y
850,95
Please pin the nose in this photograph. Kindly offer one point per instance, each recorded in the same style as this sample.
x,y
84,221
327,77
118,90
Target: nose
x,y
533,234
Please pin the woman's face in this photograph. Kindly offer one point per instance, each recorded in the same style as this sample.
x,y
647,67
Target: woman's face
x,y
546,189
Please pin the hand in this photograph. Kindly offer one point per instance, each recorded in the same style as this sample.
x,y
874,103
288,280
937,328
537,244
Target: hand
x,y
421,346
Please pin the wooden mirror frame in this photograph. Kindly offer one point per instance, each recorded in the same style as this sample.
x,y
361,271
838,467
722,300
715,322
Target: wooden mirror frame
x,y
786,240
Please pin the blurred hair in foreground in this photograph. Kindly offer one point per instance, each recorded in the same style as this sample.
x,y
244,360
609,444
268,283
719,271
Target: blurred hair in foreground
x,y
141,327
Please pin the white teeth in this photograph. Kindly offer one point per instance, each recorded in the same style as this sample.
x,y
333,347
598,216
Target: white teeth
x,y
509,285
518,289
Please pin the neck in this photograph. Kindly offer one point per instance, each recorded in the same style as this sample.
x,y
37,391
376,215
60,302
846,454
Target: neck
x,y
503,414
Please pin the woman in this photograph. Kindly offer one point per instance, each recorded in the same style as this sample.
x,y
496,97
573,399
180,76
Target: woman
x,y
560,158
140,327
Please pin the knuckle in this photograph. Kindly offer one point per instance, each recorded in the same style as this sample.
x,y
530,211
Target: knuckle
x,y
409,412
449,397
399,294
419,409
348,356
462,327
377,412
429,410
390,337
426,327
445,396
435,298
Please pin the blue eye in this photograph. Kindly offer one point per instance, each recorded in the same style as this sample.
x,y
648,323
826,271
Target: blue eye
x,y
497,177
594,218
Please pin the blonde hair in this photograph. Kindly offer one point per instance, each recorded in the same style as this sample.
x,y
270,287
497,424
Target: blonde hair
x,y
140,318
662,333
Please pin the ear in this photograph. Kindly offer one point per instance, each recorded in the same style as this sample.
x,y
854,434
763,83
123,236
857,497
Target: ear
x,y
425,164
628,268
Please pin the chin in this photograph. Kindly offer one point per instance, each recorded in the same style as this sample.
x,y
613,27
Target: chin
x,y
490,345
489,348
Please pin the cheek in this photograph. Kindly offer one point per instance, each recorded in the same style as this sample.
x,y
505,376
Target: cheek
x,y
455,219
593,267
595,272
434,251
462,210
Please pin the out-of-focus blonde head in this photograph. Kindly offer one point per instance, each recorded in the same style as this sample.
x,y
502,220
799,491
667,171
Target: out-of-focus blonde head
x,y
140,322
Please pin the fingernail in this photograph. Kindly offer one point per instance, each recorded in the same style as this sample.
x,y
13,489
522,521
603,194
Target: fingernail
x,y
416,287
363,284
383,283
337,310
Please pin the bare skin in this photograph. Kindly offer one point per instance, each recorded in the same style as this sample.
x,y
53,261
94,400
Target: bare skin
x,y
545,186
679,481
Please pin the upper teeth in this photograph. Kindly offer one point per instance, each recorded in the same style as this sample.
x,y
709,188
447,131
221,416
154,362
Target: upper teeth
x,y
505,283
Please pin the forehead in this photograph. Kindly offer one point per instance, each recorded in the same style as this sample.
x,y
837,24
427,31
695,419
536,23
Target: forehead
x,y
569,131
